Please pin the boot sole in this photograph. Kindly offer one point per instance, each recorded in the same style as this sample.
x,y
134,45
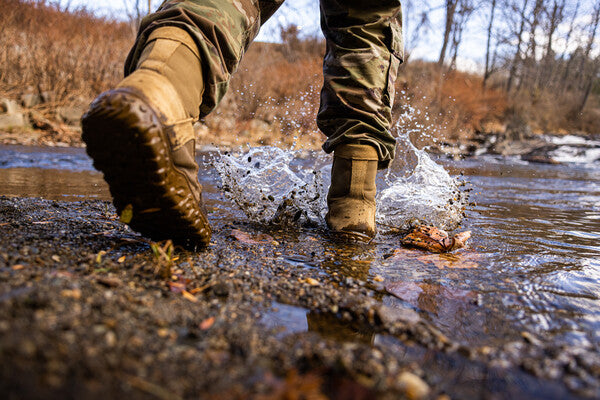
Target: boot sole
x,y
125,138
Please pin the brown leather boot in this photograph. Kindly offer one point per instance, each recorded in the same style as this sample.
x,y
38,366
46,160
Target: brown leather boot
x,y
141,136
351,197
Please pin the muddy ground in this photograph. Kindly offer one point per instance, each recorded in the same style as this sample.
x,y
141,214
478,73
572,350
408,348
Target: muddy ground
x,y
89,309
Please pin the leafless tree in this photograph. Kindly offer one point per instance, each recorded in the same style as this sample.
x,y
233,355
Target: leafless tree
x,y
450,10
489,62
463,12
136,10
518,35
589,68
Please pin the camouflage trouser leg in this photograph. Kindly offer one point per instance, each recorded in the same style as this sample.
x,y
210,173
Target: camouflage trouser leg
x,y
364,50
222,30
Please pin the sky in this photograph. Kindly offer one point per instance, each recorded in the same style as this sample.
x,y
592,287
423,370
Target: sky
x,y
305,14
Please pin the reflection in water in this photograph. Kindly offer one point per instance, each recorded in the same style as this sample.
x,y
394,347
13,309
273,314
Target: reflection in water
x,y
289,319
285,318
53,184
331,326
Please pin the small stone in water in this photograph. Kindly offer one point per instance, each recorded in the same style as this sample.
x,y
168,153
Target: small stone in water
x,y
312,281
414,387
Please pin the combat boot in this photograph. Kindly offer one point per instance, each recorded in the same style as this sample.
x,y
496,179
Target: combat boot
x,y
141,136
351,197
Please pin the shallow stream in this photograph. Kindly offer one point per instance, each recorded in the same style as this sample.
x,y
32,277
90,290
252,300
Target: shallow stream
x,y
532,267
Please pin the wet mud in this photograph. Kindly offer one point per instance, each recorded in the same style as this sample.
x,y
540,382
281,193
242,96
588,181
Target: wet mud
x,y
89,309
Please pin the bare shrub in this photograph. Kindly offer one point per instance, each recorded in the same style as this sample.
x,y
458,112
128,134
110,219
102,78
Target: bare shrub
x,y
71,55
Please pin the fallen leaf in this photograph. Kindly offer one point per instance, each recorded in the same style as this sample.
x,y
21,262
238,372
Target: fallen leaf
x,y
435,240
189,296
176,287
201,288
71,293
246,238
127,214
17,267
99,256
121,260
207,323
55,258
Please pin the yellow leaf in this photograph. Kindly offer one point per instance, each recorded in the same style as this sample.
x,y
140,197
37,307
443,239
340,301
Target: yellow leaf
x,y
127,214
189,296
73,294
99,256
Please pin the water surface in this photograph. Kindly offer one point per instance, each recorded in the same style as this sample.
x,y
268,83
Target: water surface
x,y
533,263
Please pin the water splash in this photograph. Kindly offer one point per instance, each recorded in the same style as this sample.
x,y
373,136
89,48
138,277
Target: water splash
x,y
417,190
272,185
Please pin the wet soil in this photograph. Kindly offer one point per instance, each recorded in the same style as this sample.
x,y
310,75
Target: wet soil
x,y
89,309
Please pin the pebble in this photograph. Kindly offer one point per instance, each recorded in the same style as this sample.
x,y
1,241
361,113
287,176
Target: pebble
x,y
110,338
414,387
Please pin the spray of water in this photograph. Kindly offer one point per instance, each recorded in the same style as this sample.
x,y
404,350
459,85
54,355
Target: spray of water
x,y
272,185
416,189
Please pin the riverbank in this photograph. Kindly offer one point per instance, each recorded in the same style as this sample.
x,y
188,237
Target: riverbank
x,y
539,148
89,310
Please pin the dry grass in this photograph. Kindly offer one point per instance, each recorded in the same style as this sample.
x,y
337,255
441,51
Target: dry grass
x,y
274,97
72,56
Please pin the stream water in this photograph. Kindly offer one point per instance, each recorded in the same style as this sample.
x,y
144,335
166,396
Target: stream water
x,y
532,266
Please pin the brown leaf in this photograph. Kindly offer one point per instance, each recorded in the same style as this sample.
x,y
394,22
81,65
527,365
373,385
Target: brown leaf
x,y
71,293
176,287
246,238
435,240
207,323
460,240
189,296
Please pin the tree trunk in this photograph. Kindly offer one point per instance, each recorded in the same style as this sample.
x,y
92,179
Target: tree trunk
x,y
530,57
566,68
516,58
588,48
450,9
487,71
589,86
